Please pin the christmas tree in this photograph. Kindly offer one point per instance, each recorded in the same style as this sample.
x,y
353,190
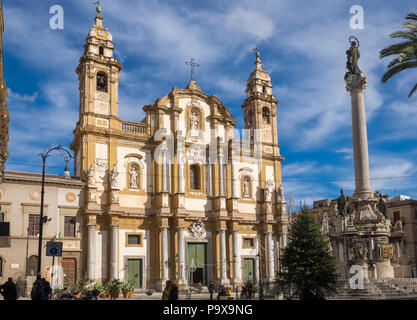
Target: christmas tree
x,y
309,267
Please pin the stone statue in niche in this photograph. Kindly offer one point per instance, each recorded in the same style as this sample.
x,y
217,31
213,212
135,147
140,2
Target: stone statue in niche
x,y
195,119
91,173
113,177
246,188
92,195
281,196
133,176
268,191
115,196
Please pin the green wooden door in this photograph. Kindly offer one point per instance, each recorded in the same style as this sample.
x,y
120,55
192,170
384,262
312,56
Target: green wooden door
x,y
196,260
248,269
134,271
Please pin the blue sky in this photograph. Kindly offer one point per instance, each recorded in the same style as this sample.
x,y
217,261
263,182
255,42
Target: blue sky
x,y
302,45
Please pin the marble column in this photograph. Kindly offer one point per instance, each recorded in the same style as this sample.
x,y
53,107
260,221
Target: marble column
x,y
232,170
223,262
236,258
164,172
114,272
355,85
164,250
180,175
270,248
181,255
221,179
91,251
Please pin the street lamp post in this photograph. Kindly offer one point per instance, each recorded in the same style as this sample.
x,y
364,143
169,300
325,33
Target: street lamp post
x,y
67,156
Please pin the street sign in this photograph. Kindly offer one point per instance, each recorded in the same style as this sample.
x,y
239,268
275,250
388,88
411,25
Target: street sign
x,y
54,248
387,251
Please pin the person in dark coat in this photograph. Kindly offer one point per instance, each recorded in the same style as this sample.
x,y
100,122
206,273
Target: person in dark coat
x,y
249,289
38,289
173,293
211,289
8,290
47,289
17,289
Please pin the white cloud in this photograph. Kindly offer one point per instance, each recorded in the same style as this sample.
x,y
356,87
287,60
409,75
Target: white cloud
x,y
14,96
253,22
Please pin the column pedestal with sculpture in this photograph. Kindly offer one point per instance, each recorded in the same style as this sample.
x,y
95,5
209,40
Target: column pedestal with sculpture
x,y
361,222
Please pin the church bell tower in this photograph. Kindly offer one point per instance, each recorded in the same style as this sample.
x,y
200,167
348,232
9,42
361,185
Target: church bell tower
x,y
98,75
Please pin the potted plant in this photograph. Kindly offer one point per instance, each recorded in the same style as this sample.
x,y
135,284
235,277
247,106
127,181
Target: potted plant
x,y
114,288
128,289
58,292
99,287
105,291
77,288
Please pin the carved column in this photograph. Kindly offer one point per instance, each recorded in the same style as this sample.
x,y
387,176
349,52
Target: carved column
x,y
181,256
164,173
234,187
114,272
91,251
356,84
270,248
223,261
236,258
164,250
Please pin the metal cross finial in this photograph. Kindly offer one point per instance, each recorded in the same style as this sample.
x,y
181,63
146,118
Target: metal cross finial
x,y
193,64
256,51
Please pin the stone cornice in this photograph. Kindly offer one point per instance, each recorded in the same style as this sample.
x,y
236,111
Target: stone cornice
x,y
34,178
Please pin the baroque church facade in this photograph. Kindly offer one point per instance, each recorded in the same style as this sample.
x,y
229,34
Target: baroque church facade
x,y
177,195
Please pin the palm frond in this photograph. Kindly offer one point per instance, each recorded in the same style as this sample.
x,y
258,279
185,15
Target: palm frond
x,y
404,34
395,49
397,69
410,25
401,59
412,90
411,16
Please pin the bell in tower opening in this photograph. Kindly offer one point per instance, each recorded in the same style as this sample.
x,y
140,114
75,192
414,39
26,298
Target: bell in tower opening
x,y
101,82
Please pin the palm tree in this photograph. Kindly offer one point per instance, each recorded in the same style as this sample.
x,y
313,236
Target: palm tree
x,y
406,51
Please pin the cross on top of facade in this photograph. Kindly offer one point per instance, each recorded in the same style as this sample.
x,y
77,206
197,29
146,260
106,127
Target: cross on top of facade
x,y
192,64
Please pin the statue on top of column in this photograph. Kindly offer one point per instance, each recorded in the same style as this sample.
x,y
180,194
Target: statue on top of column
x,y
353,56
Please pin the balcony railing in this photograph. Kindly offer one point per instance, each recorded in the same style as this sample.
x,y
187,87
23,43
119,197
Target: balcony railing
x,y
136,128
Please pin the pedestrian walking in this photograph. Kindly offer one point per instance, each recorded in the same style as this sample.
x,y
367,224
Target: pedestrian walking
x,y
165,293
17,289
211,289
249,289
47,289
173,292
8,290
38,289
